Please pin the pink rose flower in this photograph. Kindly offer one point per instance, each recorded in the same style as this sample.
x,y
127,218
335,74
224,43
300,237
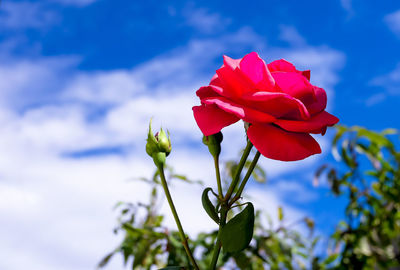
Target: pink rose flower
x,y
277,100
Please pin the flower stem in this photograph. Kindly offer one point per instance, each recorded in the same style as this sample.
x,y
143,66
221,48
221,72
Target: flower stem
x,y
218,244
218,176
246,178
238,171
225,207
175,214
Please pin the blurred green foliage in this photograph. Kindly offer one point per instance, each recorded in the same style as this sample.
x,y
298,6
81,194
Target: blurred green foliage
x,y
367,176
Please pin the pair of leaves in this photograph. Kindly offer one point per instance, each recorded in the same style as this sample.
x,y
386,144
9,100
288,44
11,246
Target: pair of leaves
x,y
238,232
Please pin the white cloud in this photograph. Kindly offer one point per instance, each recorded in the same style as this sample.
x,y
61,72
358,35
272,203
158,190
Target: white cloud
x,y
34,15
78,3
260,198
291,35
18,15
375,99
390,82
50,108
35,80
204,21
294,191
393,22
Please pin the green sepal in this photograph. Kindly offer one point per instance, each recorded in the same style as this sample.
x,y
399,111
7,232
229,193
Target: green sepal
x,y
208,206
151,145
238,232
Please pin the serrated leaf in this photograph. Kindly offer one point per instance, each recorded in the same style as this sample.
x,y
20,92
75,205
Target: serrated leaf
x,y
238,232
208,206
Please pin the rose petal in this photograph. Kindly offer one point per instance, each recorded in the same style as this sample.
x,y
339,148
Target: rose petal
x,y
275,143
307,74
256,69
234,81
320,101
230,62
209,91
247,114
216,81
277,104
283,65
211,119
295,85
316,124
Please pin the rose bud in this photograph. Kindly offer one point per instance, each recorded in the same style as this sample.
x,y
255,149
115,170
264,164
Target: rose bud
x,y
158,146
214,143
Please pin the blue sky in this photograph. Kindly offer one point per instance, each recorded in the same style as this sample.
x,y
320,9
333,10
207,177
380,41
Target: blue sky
x,y
79,80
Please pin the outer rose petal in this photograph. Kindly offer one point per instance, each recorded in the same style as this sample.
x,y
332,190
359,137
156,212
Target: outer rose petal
x,y
211,119
230,62
316,124
283,65
214,91
320,103
256,70
247,114
307,74
295,85
275,143
209,91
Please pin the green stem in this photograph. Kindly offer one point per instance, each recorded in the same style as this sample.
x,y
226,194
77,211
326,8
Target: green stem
x,y
218,244
175,214
225,207
246,178
218,175
238,171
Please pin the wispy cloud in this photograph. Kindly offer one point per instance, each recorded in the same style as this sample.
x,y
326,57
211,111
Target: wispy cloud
x,y
204,21
291,35
375,99
78,3
347,5
390,82
20,15
393,22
